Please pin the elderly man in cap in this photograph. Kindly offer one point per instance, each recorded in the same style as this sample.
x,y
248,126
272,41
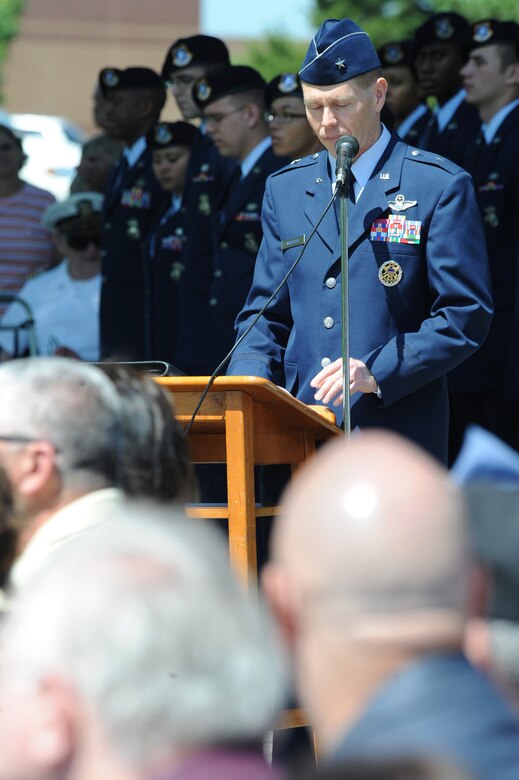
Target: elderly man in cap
x,y
419,299
233,105
133,100
485,389
64,300
371,581
187,60
441,47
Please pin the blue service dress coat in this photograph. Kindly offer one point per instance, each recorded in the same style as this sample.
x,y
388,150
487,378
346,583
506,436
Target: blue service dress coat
x,y
419,288
451,142
237,238
438,707
495,172
206,178
132,200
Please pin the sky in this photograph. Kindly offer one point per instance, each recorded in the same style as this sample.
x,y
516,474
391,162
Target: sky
x,y
254,18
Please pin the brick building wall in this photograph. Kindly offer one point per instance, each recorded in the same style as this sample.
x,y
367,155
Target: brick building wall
x,y
53,63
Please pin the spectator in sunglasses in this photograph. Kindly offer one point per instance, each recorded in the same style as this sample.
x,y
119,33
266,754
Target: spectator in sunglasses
x,y
63,301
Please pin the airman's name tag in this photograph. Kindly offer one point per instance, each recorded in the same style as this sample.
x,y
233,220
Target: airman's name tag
x,y
290,242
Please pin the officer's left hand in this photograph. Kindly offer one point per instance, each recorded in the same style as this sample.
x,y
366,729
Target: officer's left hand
x,y
329,381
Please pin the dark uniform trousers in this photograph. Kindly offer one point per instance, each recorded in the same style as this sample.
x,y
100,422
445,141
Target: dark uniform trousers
x,y
132,199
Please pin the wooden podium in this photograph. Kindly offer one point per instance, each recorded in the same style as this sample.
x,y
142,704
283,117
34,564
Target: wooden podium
x,y
245,422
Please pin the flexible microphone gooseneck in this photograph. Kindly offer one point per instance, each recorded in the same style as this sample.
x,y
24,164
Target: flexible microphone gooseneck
x,y
256,318
347,147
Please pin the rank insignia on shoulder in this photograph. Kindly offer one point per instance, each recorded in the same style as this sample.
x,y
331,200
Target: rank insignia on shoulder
x,y
291,242
396,229
390,273
400,203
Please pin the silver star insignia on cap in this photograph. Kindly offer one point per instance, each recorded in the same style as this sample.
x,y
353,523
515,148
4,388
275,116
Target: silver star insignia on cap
x,y
340,64
400,203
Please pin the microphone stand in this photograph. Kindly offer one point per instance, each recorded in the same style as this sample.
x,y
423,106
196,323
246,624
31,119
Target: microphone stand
x,y
343,188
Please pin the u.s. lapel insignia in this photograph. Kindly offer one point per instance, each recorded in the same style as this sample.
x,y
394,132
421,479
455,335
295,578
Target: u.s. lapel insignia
x,y
390,273
384,175
400,203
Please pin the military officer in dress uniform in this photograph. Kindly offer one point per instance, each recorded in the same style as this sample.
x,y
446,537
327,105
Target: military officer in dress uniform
x,y
164,261
232,101
291,134
133,100
419,299
404,96
187,60
441,47
485,389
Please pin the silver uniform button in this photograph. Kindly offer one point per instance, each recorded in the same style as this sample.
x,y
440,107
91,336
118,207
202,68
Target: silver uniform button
x,y
328,322
213,301
325,362
224,245
331,282
218,273
415,153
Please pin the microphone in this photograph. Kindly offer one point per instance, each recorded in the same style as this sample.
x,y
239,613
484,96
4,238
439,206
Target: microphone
x,y
346,147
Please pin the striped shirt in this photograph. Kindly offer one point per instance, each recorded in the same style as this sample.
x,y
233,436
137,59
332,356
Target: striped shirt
x,y
25,245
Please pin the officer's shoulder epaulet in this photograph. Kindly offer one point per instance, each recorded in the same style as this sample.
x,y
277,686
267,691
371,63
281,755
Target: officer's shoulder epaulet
x,y
300,162
431,158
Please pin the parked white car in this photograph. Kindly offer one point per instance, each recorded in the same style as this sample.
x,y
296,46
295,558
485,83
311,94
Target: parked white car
x,y
53,147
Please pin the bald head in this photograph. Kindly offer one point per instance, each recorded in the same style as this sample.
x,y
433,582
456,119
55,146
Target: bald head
x,y
373,529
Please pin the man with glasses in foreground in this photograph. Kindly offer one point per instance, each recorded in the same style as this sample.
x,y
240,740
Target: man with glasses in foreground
x,y
64,300
233,106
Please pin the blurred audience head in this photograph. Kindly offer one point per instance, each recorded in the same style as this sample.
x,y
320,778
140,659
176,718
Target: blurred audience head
x,y
98,156
147,652
12,156
291,134
187,60
154,461
369,569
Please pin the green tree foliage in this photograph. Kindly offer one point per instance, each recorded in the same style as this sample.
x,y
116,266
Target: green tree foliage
x,y
275,55
384,20
396,19
10,13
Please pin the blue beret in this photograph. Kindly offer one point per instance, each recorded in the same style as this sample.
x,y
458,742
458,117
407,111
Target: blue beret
x,y
226,81
489,31
339,51
196,50
284,85
447,27
128,80
166,134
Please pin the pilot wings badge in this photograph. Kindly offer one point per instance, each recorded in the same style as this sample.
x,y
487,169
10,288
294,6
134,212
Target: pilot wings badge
x,y
400,203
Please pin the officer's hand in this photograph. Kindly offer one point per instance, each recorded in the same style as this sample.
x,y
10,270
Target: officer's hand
x,y
329,381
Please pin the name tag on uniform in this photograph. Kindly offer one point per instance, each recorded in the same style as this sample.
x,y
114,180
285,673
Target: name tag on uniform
x,y
396,229
290,242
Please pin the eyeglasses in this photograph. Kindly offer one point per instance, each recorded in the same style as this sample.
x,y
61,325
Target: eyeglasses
x,y
215,119
79,243
284,119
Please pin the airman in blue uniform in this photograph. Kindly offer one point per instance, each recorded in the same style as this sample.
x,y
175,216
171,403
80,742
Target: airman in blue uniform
x,y
232,101
419,288
441,47
411,114
133,99
485,389
187,60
